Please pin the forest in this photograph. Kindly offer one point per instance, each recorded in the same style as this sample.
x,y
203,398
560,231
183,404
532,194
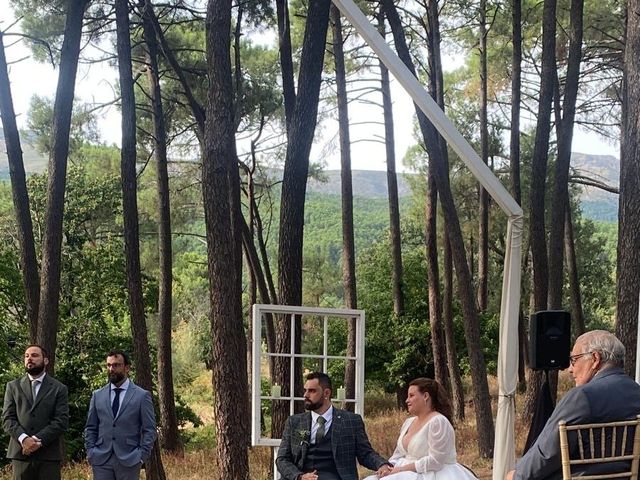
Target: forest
x,y
161,244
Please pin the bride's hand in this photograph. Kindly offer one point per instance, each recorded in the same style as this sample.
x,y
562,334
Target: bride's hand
x,y
384,470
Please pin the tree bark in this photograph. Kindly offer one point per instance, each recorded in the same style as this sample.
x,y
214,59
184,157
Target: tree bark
x,y
436,89
348,243
628,261
169,435
26,243
286,60
457,391
154,467
537,232
483,209
577,314
294,185
48,313
563,160
392,184
221,195
482,400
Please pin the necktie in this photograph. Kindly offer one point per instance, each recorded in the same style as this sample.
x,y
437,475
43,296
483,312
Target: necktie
x,y
34,388
320,432
116,401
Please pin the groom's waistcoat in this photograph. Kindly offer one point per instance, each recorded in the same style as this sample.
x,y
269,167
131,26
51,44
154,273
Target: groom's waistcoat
x,y
320,457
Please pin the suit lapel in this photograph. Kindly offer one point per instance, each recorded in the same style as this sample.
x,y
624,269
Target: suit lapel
x,y
25,386
336,428
105,393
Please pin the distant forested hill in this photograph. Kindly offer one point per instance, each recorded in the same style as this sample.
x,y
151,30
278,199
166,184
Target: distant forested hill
x,y
596,204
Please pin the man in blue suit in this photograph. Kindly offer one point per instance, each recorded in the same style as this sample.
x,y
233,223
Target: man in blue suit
x,y
324,443
603,393
121,424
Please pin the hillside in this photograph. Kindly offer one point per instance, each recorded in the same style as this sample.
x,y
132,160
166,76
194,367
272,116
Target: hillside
x,y
596,203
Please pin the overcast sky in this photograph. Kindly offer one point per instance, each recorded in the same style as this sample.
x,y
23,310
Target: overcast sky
x,y
95,85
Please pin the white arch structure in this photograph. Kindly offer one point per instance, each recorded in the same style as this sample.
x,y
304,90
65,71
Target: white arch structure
x,y
504,446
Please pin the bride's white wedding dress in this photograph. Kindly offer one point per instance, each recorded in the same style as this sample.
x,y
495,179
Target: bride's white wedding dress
x,y
433,449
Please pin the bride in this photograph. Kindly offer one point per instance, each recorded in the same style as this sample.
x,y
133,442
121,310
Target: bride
x,y
426,447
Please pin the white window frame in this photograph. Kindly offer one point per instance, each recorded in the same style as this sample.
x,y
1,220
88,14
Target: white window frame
x,y
259,310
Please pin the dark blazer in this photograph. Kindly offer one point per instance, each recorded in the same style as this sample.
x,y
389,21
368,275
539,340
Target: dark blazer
x,y
47,418
130,435
611,395
349,442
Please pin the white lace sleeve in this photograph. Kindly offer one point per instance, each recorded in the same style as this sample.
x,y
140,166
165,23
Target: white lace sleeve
x,y
437,446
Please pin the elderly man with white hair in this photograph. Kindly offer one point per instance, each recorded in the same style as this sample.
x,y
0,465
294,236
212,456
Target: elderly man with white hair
x,y
603,393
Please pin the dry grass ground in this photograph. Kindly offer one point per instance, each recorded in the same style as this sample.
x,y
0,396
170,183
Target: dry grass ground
x,y
382,423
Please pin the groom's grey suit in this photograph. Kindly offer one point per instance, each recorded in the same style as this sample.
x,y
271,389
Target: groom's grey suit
x,y
349,442
129,436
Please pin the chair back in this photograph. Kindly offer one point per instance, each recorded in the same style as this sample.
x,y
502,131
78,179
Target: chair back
x,y
596,446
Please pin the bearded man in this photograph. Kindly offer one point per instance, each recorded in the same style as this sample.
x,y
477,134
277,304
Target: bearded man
x,y
324,442
35,415
121,424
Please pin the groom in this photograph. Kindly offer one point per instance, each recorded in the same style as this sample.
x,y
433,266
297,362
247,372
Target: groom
x,y
323,443
121,424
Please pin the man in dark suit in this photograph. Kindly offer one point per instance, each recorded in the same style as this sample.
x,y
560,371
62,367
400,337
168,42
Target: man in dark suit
x,y
121,424
603,393
324,443
35,415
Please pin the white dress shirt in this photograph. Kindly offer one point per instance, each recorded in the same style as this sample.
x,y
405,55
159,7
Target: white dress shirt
x,y
328,416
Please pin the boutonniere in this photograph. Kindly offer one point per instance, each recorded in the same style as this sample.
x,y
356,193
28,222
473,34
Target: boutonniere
x,y
303,436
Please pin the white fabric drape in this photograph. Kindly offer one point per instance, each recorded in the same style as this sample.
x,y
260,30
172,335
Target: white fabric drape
x,y
504,455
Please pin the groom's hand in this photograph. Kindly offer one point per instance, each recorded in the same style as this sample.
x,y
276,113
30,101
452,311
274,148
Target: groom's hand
x,y
309,476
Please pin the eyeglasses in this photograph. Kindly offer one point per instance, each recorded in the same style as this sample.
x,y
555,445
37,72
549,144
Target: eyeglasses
x,y
574,358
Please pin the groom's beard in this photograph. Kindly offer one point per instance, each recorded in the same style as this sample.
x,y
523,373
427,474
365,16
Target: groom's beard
x,y
311,406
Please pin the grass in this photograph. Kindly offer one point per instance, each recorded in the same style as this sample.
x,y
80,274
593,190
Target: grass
x,y
382,421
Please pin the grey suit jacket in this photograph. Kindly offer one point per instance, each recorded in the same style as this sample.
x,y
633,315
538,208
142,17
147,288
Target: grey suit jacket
x,y
130,435
611,395
349,442
47,418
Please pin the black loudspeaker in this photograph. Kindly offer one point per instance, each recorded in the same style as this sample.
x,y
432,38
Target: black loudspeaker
x,y
549,340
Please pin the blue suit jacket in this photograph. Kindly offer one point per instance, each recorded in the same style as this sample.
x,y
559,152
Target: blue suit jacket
x,y
349,442
130,435
611,395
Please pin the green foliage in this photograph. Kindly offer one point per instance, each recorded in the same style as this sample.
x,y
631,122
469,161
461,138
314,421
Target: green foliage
x,y
84,127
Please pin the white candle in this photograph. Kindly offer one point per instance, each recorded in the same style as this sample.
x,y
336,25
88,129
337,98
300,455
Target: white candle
x,y
341,393
276,391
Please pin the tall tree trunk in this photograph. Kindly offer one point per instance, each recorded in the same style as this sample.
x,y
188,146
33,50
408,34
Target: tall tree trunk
x,y
514,154
154,468
436,89
577,314
483,210
26,243
169,436
294,185
286,60
482,400
628,262
348,244
56,182
457,391
220,189
392,184
537,233
565,135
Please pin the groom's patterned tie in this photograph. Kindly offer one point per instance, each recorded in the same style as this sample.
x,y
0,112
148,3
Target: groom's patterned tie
x,y
320,433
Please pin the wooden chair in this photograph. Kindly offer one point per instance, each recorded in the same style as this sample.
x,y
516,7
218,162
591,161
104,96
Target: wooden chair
x,y
600,444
